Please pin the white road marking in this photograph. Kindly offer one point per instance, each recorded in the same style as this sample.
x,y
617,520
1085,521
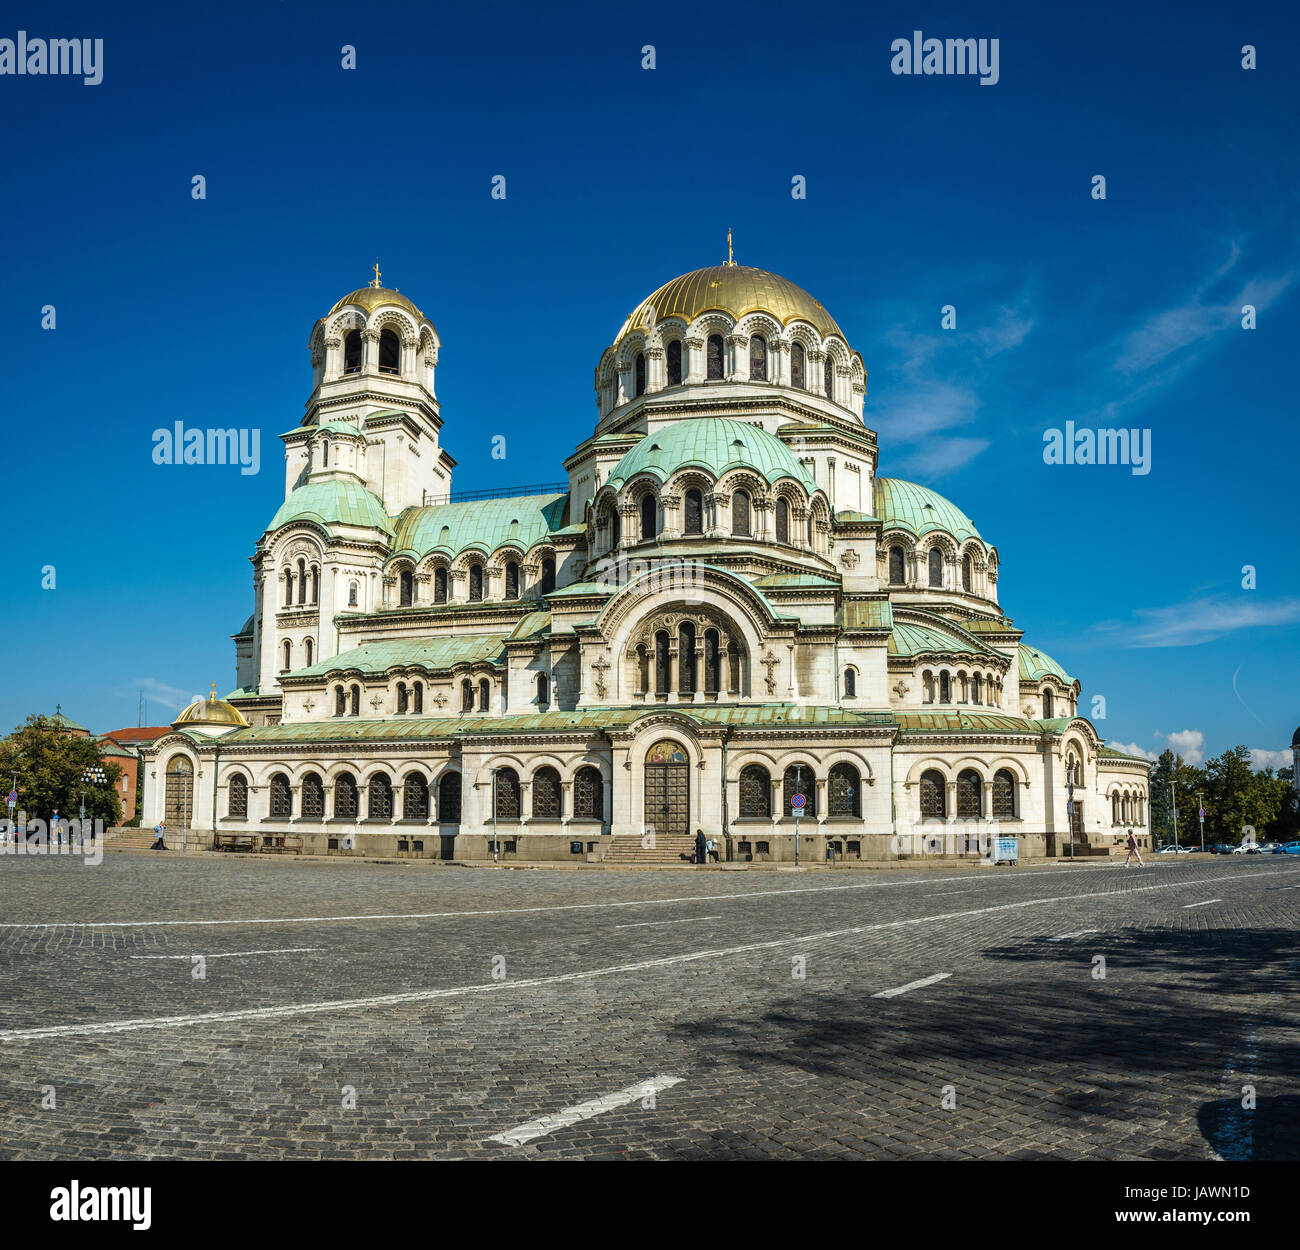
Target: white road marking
x,y
516,911
913,985
286,950
91,1028
547,1124
1079,933
641,924
1203,903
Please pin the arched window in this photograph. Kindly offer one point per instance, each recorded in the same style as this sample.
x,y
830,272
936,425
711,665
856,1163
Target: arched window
x,y
740,514
237,796
755,793
1004,795
476,583
712,665
415,798
843,792
402,702
352,594
507,794
936,567
588,794
548,575
484,694
449,798
828,378
642,669
467,695
896,566
406,591
976,688
850,684
352,352
440,585
307,651
512,580
543,690
758,359
694,512
640,373
1114,809
782,521
799,779
356,701
390,352
1072,772
1047,705
966,572
315,584
797,366
345,797
945,688
288,651
546,794
340,701
662,659
418,692
281,798
380,805
649,518
313,796
970,794
714,358
288,589
675,363
686,658
934,796
302,582
325,453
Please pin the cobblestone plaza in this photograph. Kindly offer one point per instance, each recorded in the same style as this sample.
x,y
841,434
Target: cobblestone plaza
x,y
376,1011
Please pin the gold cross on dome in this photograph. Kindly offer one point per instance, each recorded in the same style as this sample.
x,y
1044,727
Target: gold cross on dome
x,y
730,258
212,698
375,283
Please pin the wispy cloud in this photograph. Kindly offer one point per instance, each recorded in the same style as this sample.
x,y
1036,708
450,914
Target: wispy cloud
x,y
1262,757
1199,620
157,692
1189,743
1132,748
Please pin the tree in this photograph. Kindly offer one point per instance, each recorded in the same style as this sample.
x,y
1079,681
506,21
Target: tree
x,y
1158,809
47,765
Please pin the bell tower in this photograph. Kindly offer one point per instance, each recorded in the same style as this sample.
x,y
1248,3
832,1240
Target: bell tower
x,y
373,358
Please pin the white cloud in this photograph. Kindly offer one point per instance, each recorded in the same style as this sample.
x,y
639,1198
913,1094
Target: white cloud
x,y
1200,620
1261,757
1189,743
1132,748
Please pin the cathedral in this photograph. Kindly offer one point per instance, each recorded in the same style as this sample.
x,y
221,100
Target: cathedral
x,y
721,619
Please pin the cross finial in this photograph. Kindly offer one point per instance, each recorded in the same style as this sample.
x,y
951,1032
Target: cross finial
x,y
730,258
212,698
375,283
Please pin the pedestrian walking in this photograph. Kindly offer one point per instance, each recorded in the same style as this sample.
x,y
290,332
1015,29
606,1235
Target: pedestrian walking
x,y
701,847
1133,850
160,842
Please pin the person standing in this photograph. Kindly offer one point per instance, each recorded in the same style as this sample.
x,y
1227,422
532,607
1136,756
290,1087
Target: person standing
x,y
1133,850
701,847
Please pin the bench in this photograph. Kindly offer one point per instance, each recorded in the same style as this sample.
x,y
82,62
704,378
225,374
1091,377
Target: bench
x,y
234,842
281,843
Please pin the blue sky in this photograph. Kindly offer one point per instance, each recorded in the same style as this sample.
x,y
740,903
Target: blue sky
x,y
921,191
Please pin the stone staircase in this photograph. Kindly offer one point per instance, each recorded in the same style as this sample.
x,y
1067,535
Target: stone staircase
x,y
142,840
626,849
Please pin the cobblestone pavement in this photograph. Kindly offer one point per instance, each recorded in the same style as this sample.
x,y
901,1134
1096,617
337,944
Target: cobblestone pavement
x,y
372,1011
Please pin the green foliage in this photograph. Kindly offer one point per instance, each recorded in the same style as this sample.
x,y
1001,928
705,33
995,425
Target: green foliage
x,y
49,765
1234,795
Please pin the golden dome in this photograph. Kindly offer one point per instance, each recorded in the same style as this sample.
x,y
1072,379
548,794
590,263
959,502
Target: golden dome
x,y
211,711
733,289
372,297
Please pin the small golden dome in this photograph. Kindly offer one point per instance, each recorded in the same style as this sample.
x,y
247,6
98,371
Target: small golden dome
x,y
211,711
733,289
372,297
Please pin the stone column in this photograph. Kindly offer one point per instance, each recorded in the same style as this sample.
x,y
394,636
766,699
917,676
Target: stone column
x,y
693,366
737,346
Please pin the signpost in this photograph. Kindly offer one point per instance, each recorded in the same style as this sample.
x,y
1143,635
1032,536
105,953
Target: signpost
x,y
797,804
1200,807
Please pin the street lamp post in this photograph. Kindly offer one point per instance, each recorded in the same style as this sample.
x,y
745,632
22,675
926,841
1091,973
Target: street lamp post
x,y
92,776
1069,809
1173,803
798,789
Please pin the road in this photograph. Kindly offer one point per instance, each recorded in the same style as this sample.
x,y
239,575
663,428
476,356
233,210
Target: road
x,y
344,1010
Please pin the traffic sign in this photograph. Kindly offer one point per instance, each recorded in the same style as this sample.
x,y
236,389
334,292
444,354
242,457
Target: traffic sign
x,y
13,797
798,802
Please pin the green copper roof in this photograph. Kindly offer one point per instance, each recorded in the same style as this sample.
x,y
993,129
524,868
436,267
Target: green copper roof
x,y
848,517
1035,665
874,615
954,722
911,637
787,581
714,444
436,655
336,501
483,525
531,626
59,721
905,505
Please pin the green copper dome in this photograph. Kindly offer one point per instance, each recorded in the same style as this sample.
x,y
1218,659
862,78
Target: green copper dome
x,y
331,503
714,444
905,505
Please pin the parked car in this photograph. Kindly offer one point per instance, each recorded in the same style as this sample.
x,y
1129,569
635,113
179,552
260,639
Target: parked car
x,y
1243,848
1220,848
1288,848
1169,850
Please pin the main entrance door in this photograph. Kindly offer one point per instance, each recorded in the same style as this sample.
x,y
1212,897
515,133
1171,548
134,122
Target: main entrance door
x,y
667,789
178,802
1076,822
